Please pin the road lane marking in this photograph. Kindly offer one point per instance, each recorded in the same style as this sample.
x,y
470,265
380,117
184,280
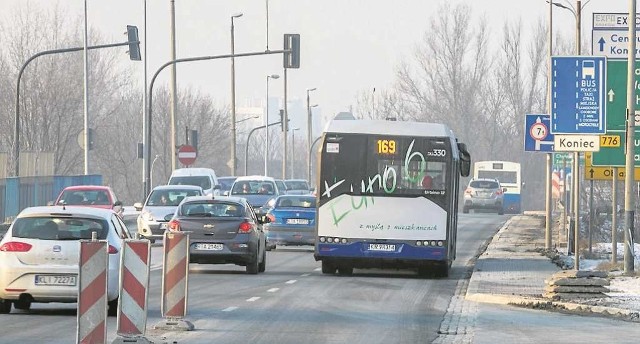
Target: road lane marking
x,y
317,269
230,309
255,298
291,281
273,290
305,275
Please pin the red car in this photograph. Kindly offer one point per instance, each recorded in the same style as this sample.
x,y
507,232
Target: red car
x,y
95,196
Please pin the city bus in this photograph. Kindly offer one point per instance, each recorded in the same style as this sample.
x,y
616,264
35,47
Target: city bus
x,y
508,174
388,196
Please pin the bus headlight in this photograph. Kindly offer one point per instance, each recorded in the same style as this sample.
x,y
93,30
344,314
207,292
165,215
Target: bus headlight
x,y
418,243
336,240
322,239
425,243
433,243
344,240
440,243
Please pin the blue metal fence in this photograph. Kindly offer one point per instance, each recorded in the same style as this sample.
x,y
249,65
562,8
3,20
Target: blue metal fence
x,y
17,193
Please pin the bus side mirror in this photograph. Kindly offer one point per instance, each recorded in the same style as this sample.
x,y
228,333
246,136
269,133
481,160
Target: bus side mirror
x,y
523,185
465,160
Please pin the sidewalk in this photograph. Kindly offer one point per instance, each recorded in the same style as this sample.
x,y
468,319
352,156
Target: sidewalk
x,y
513,270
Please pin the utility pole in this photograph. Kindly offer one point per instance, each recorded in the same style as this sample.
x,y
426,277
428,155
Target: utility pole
x,y
174,99
548,185
86,92
285,121
629,201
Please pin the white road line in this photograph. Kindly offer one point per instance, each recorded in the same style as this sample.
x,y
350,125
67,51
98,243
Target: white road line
x,y
291,281
230,309
273,290
305,275
317,269
255,298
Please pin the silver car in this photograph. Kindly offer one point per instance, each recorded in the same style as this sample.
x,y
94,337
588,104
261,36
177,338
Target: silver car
x,y
40,254
162,201
483,193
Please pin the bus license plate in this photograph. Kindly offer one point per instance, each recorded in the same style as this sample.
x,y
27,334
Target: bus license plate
x,y
209,247
382,247
55,280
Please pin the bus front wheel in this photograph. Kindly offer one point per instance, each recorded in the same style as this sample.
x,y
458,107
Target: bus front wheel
x,y
328,268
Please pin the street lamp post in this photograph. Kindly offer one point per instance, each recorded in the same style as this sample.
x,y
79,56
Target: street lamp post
x,y
233,97
266,123
152,164
309,134
293,148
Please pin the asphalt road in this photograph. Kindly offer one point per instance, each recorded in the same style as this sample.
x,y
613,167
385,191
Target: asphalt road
x,y
292,302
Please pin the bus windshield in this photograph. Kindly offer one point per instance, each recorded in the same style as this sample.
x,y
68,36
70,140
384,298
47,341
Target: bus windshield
x,y
390,165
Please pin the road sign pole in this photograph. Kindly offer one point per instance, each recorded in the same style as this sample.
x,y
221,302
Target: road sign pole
x,y
575,193
548,215
614,217
629,201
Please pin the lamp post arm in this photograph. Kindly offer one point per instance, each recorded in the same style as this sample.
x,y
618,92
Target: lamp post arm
x,y
147,139
16,129
246,147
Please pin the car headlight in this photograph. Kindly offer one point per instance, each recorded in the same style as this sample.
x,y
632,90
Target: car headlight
x,y
147,216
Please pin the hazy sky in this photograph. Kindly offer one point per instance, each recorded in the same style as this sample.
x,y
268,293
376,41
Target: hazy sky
x,y
348,46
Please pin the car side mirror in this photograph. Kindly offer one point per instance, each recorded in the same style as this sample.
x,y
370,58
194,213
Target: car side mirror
x,y
217,187
504,189
50,203
465,160
117,206
264,219
168,217
138,206
226,193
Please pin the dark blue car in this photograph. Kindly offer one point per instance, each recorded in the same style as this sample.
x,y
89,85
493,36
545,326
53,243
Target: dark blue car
x,y
292,221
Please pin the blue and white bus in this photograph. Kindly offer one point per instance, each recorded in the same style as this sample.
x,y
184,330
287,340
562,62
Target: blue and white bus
x,y
375,206
508,173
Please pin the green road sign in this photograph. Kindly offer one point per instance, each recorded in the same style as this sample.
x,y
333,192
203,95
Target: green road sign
x,y
614,156
616,93
560,158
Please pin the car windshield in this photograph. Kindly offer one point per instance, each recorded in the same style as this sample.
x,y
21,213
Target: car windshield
x,y
484,184
59,228
202,181
212,209
226,183
253,187
296,185
85,197
169,198
296,202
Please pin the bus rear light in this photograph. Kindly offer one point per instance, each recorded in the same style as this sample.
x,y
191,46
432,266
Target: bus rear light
x,y
271,217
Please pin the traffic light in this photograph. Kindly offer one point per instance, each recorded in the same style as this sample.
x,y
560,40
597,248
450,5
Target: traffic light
x,y
291,42
134,43
281,120
193,139
90,139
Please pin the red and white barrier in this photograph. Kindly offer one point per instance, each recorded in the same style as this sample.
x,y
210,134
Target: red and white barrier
x,y
134,284
92,292
175,276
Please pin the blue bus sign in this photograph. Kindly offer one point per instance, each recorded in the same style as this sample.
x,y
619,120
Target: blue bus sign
x,y
537,137
578,95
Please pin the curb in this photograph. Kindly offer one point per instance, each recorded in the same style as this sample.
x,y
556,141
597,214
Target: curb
x,y
540,303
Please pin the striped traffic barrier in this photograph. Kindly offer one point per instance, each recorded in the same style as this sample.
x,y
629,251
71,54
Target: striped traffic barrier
x,y
134,284
92,292
175,277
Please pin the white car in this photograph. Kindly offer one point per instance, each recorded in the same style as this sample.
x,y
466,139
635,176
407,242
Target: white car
x,y
41,251
162,201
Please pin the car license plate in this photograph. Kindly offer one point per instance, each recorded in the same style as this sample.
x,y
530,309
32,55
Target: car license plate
x,y
163,226
209,247
68,280
382,247
298,221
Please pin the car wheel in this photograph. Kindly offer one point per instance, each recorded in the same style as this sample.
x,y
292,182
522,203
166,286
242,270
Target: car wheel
x,y
5,306
345,270
465,210
113,308
328,268
24,305
263,265
252,267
